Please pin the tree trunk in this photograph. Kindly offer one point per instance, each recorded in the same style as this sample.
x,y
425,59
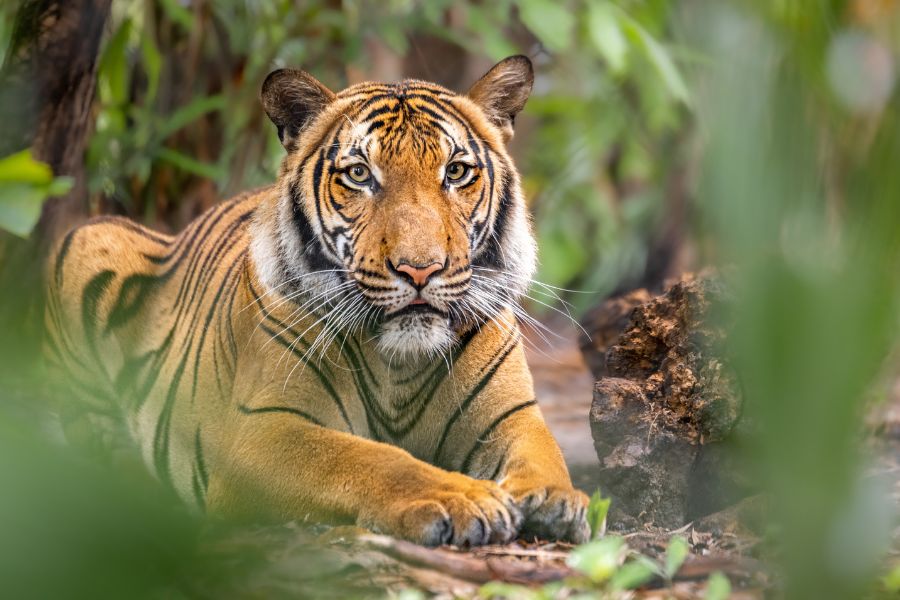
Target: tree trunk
x,y
47,91
47,88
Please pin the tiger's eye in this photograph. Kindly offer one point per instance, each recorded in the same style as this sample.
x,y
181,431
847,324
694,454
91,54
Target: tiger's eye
x,y
359,173
456,171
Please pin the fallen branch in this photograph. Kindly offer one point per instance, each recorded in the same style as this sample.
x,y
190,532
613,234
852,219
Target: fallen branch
x,y
463,566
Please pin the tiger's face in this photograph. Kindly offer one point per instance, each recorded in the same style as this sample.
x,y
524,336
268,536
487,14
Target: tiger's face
x,y
398,209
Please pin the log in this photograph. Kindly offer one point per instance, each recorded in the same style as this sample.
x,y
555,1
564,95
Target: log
x,y
667,406
466,566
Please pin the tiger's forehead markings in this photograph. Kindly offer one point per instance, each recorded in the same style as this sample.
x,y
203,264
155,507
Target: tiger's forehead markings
x,y
401,118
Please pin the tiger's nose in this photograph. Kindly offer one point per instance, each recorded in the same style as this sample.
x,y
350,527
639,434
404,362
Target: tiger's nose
x,y
418,274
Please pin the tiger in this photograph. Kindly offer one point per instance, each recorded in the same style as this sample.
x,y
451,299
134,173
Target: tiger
x,y
339,347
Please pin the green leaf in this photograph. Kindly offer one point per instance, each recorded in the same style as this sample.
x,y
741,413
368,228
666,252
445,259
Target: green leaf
x,y
658,56
114,74
152,61
20,207
22,168
676,552
891,581
550,21
24,186
561,257
60,185
634,574
596,514
491,39
600,559
606,35
188,164
179,14
394,36
717,587
190,113
508,591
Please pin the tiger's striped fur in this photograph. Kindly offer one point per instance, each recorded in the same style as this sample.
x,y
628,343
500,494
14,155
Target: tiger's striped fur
x,y
284,356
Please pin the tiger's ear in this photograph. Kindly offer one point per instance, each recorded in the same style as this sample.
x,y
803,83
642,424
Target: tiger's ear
x,y
503,91
292,99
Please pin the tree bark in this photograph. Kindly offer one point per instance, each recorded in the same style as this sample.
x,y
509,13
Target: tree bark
x,y
47,89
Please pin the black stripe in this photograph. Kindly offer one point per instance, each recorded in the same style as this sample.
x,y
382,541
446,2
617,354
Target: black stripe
x,y
280,409
161,434
221,247
201,462
90,299
196,252
499,468
372,274
186,239
381,110
161,355
329,388
61,257
492,255
506,351
132,294
130,226
214,306
197,488
404,418
490,429
313,253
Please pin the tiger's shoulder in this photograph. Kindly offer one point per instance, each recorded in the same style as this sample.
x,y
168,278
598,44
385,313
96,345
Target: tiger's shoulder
x,y
109,246
110,271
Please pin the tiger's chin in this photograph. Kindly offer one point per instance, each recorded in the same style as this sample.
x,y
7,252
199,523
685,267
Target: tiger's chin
x,y
415,334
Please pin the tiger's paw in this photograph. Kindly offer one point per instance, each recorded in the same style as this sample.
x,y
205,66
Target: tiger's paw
x,y
554,513
469,513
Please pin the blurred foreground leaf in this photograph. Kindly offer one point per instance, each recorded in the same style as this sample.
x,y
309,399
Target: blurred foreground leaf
x,y
717,587
24,186
634,574
676,552
600,559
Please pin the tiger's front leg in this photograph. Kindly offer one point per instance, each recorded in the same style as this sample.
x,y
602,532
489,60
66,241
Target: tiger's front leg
x,y
535,475
517,450
283,467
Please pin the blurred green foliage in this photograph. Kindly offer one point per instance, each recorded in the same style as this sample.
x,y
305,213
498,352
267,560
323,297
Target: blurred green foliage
x,y
24,185
178,88
800,190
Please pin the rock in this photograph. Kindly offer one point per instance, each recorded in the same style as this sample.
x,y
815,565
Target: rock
x,y
605,323
745,519
666,405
